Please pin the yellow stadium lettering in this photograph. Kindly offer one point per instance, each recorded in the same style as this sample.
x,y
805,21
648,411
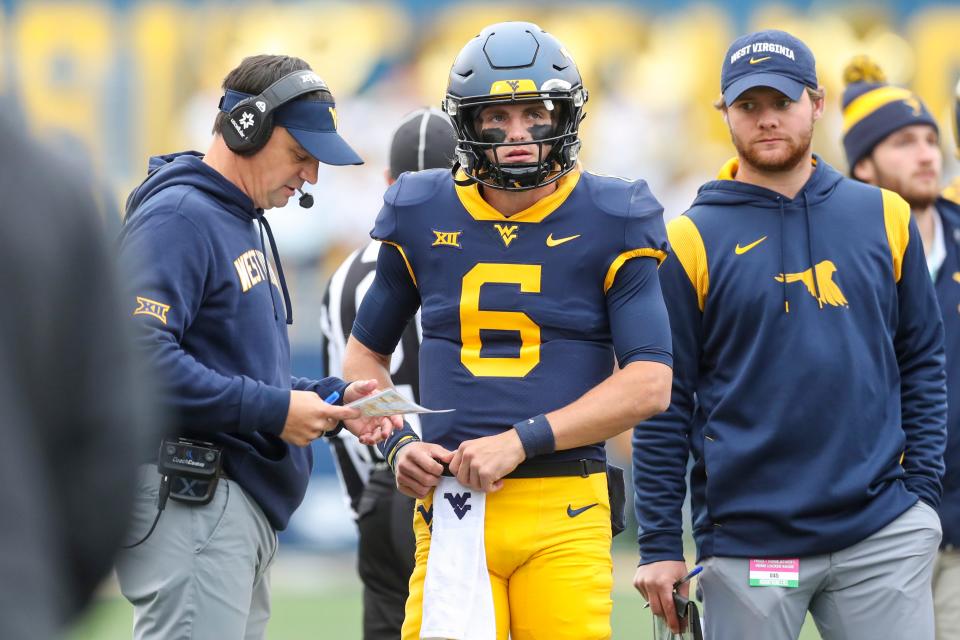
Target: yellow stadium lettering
x,y
473,319
157,44
4,89
77,40
933,36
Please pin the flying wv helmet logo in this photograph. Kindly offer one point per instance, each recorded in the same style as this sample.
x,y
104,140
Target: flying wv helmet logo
x,y
512,86
508,232
819,283
458,502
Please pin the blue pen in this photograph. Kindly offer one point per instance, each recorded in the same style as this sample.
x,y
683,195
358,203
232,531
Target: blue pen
x,y
688,577
333,397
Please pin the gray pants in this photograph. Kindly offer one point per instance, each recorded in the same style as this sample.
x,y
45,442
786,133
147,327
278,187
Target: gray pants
x,y
946,594
204,572
876,589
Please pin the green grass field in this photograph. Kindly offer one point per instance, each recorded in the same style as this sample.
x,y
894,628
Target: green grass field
x,y
319,597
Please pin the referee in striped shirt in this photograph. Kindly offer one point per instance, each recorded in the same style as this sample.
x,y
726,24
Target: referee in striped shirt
x,y
424,140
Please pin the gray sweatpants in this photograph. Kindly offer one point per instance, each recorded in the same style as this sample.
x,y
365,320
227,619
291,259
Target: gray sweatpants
x,y
946,594
204,572
876,589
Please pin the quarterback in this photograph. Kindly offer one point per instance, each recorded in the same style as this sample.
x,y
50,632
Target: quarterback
x,y
543,327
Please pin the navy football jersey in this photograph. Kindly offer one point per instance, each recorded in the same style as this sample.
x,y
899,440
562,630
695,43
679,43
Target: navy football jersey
x,y
514,310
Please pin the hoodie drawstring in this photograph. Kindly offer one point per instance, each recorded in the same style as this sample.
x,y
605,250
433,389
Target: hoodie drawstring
x,y
783,271
276,259
813,266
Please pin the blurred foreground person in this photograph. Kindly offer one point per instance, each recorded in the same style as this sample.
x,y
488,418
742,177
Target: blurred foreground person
x,y
73,417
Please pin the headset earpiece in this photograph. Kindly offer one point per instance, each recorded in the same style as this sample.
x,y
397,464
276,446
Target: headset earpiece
x,y
250,121
248,129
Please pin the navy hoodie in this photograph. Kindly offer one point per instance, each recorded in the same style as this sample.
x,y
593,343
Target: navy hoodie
x,y
211,319
947,285
808,372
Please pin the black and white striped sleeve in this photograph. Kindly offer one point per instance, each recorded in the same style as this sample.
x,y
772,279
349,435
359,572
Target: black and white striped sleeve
x,y
345,291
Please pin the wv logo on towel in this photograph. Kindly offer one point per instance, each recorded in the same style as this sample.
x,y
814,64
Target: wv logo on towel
x,y
459,503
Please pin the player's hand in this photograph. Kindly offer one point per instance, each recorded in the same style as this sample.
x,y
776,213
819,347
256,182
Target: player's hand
x,y
368,430
308,417
655,583
481,464
418,468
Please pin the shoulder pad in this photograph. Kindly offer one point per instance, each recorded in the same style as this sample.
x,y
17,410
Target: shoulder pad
x,y
621,197
414,187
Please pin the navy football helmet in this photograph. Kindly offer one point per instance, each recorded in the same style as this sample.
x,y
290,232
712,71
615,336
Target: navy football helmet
x,y
515,62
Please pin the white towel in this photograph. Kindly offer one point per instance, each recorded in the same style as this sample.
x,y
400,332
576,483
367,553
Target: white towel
x,y
457,597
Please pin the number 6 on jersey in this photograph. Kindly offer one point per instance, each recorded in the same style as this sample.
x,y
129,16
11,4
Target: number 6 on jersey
x,y
473,319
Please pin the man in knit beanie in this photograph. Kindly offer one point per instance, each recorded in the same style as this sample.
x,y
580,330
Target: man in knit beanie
x,y
893,142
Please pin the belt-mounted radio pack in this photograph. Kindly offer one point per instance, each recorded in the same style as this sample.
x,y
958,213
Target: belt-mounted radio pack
x,y
189,472
193,467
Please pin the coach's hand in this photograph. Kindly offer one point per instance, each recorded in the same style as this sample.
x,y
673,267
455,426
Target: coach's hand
x,y
368,430
655,583
481,464
418,467
309,417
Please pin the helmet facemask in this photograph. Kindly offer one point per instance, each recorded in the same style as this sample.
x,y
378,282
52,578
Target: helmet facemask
x,y
566,109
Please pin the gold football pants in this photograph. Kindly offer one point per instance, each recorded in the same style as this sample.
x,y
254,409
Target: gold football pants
x,y
547,543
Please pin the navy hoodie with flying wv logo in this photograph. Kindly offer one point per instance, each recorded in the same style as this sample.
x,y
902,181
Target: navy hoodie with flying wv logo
x,y
808,372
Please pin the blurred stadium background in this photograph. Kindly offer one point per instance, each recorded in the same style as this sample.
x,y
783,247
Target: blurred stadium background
x,y
113,82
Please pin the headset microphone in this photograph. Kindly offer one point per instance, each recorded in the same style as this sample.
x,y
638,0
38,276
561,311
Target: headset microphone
x,y
306,200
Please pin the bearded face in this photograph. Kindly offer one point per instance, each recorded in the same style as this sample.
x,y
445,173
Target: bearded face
x,y
771,132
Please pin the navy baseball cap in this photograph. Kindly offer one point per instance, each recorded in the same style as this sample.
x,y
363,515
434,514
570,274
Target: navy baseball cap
x,y
770,58
312,123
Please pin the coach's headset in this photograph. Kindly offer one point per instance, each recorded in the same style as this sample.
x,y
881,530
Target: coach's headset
x,y
313,123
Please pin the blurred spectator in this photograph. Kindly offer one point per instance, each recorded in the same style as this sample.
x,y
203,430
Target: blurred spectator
x,y
895,145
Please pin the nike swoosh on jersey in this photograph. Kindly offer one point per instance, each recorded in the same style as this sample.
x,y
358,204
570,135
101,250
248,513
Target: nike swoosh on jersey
x,y
742,250
552,243
573,513
758,60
